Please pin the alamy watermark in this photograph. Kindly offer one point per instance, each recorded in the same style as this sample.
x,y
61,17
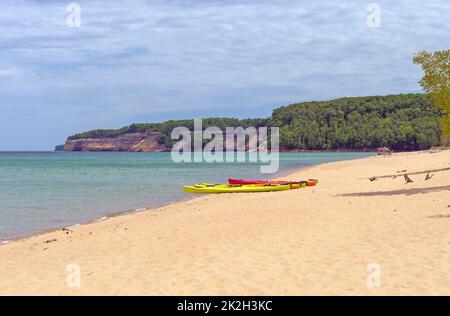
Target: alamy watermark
x,y
238,144
74,17
73,279
374,277
373,20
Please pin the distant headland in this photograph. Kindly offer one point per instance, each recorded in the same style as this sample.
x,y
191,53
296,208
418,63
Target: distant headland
x,y
402,122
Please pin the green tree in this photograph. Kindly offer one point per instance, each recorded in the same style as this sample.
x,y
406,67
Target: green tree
x,y
436,83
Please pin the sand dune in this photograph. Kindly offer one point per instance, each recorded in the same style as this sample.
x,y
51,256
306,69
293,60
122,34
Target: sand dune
x,y
345,236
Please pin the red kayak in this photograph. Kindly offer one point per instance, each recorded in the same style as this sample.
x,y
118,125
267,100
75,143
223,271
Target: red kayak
x,y
238,181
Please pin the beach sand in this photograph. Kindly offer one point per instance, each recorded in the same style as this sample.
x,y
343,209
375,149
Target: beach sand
x,y
346,236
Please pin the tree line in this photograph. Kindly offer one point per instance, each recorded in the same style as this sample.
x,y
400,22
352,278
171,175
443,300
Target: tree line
x,y
400,122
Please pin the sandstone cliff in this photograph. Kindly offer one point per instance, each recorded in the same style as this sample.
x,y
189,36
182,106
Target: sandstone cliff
x,y
147,142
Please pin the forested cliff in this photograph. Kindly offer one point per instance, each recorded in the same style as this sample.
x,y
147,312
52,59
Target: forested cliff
x,y
401,122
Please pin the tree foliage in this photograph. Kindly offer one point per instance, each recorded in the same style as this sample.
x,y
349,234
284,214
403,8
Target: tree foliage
x,y
436,82
401,122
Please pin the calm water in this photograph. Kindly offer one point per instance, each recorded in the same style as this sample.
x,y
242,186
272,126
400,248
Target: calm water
x,y
45,190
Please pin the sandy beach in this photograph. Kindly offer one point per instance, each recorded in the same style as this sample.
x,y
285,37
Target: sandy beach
x,y
347,236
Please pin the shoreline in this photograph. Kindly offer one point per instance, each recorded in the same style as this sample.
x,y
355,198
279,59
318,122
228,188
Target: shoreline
x,y
190,197
317,241
107,216
336,150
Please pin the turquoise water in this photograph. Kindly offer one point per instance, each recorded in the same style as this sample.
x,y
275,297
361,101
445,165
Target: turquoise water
x,y
46,190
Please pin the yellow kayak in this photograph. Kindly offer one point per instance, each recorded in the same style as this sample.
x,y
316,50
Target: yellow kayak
x,y
206,188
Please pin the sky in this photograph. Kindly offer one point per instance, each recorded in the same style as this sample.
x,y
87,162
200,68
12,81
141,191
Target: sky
x,y
152,60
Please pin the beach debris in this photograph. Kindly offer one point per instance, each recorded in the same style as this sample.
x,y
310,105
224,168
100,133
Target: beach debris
x,y
372,179
408,179
410,173
439,216
45,248
51,240
67,231
428,176
4,242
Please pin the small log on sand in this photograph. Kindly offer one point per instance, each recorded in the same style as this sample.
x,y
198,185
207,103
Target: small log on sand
x,y
405,174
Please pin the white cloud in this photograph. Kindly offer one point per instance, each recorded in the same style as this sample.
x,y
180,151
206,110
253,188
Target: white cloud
x,y
139,56
10,72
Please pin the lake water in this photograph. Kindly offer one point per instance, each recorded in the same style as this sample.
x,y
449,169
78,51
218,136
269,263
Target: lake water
x,y
46,190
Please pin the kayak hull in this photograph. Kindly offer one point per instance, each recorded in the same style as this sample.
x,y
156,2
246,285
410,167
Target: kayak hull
x,y
229,188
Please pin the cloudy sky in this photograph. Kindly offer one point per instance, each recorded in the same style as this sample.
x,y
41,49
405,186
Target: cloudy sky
x,y
154,60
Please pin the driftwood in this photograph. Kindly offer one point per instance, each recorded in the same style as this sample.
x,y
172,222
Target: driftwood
x,y
405,174
408,179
